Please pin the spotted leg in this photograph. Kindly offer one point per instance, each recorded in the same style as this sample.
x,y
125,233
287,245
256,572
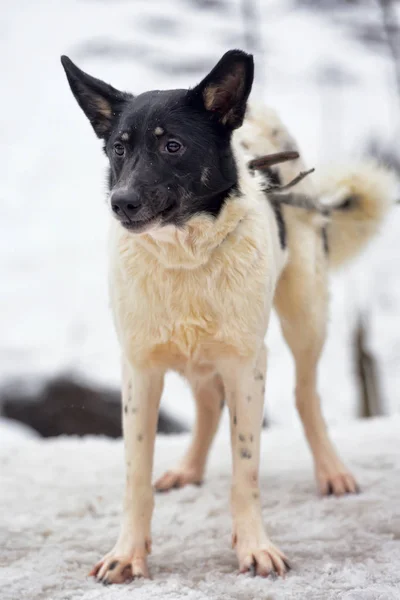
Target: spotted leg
x,y
245,399
141,397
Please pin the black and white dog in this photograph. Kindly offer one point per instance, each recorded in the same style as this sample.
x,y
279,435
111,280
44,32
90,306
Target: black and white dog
x,y
199,256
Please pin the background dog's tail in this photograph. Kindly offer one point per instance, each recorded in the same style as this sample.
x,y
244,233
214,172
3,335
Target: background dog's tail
x,y
359,196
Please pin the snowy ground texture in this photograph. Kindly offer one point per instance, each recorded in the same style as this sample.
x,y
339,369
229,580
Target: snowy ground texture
x,y
60,505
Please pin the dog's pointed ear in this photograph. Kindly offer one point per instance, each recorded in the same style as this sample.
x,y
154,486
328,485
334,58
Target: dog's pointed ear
x,y
100,102
225,90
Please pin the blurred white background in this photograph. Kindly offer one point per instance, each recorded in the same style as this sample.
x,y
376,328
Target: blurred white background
x,y
328,68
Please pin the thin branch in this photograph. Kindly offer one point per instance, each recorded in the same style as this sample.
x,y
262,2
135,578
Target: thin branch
x,y
367,371
299,201
263,163
280,188
275,195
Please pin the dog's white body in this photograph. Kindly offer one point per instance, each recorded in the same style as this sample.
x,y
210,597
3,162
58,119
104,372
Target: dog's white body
x,y
198,301
199,292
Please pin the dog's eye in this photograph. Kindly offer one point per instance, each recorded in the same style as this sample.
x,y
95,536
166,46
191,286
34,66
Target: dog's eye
x,y
172,147
119,149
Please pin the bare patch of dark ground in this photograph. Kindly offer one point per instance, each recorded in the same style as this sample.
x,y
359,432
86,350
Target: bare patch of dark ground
x,y
66,405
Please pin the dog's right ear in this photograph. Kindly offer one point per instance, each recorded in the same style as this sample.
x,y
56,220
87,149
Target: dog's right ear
x,y
100,102
225,90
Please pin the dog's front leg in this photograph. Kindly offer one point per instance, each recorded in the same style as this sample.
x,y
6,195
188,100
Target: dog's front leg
x,y
140,398
244,383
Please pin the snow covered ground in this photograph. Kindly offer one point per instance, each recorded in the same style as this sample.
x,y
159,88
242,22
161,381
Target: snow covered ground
x,y
334,92
13,432
60,504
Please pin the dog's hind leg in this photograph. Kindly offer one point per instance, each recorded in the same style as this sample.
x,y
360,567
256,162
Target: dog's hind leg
x,y
301,301
209,396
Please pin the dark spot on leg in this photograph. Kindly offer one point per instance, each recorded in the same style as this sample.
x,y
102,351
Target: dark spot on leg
x,y
125,409
256,495
113,565
129,463
134,410
139,437
251,437
263,389
258,376
248,398
325,244
235,420
221,406
245,453
242,438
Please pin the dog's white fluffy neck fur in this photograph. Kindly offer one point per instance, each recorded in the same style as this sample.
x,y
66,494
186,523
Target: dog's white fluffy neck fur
x,y
192,245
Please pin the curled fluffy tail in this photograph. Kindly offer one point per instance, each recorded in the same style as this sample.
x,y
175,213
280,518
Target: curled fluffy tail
x,y
359,197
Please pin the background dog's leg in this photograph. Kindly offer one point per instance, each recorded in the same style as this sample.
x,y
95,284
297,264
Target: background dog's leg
x,y
209,396
245,398
301,301
140,402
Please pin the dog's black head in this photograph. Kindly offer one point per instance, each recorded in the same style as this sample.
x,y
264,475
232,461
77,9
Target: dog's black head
x,y
169,151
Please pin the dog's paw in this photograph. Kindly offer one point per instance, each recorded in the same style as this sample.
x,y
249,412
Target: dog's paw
x,y
338,484
120,569
178,478
263,560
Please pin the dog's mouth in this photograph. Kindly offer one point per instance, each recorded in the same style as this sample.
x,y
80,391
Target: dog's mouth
x,y
160,218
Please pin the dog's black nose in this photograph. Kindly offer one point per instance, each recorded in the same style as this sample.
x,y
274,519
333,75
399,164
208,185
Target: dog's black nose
x,y
125,205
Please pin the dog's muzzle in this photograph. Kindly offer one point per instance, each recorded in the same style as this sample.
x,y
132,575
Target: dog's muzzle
x,y
134,211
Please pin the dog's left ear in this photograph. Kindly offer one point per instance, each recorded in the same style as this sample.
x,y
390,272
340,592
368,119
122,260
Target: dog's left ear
x,y
100,102
226,88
